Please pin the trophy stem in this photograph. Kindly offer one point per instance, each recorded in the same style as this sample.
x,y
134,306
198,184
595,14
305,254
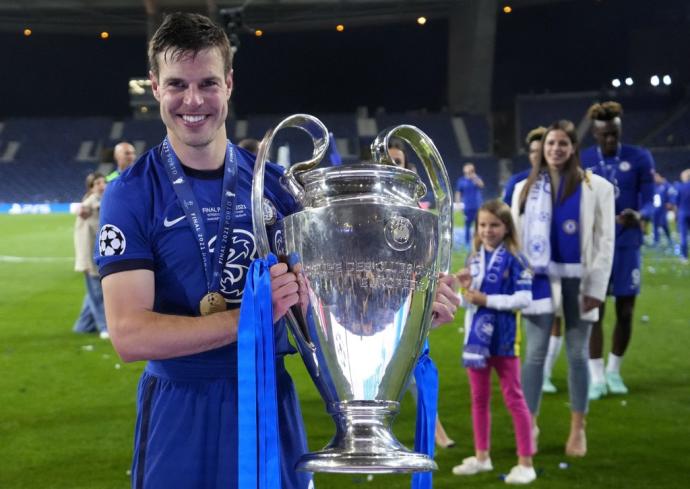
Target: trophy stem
x,y
364,443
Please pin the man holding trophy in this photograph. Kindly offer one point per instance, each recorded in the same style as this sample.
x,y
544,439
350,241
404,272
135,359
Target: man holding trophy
x,y
176,240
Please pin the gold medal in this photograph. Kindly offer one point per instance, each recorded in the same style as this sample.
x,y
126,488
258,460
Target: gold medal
x,y
211,303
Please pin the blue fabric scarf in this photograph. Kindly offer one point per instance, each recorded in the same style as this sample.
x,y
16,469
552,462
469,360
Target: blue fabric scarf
x,y
259,444
565,235
480,322
426,377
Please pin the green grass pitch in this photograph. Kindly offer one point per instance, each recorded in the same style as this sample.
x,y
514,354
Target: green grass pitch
x,y
67,402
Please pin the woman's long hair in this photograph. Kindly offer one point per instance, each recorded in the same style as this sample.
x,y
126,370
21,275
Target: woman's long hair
x,y
572,170
501,210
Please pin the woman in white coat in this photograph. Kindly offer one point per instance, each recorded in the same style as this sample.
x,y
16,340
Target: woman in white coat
x,y
565,218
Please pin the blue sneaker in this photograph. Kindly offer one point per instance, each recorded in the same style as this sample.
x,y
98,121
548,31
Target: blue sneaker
x,y
615,383
548,387
596,391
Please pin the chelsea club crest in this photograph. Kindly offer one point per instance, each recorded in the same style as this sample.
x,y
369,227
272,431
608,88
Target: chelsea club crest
x,y
270,213
570,226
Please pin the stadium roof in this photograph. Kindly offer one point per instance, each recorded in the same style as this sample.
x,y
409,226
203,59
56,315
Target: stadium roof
x,y
130,16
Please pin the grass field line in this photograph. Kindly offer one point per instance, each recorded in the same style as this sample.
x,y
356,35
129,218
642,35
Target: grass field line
x,y
34,259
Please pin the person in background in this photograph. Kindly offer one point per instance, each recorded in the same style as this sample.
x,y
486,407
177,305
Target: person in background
x,y
124,155
468,190
92,316
565,218
682,201
533,144
630,169
664,194
496,283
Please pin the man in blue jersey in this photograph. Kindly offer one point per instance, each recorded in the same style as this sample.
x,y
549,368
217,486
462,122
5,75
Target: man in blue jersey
x,y
468,190
175,243
663,202
631,171
682,201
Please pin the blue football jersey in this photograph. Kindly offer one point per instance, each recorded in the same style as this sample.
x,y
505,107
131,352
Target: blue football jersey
x,y
682,198
143,226
631,172
471,193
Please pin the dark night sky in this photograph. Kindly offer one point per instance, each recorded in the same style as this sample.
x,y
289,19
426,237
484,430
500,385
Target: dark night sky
x,y
566,47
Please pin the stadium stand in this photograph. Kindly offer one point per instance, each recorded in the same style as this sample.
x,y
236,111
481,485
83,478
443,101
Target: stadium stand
x,y
46,159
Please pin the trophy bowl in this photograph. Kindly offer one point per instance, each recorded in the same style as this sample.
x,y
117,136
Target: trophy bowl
x,y
367,258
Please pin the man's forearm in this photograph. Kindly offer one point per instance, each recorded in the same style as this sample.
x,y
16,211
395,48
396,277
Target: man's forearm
x,y
147,335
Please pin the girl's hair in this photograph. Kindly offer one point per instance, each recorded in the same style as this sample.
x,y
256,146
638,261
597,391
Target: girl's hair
x,y
90,181
501,210
572,171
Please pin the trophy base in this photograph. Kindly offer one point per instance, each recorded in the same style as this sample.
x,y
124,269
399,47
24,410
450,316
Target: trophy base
x,y
364,443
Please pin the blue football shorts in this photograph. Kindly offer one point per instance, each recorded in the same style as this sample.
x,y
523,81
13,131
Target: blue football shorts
x,y
186,429
625,275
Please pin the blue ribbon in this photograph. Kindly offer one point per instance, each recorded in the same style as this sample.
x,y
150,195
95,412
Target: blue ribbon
x,y
426,377
258,464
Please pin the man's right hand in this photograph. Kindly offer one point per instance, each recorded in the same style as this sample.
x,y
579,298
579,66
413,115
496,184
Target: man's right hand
x,y
284,290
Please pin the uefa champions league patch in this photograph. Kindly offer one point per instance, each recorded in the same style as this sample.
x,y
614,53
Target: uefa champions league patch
x,y
624,166
570,226
111,241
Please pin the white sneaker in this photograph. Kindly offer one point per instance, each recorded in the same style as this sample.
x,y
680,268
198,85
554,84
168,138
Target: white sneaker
x,y
521,475
472,466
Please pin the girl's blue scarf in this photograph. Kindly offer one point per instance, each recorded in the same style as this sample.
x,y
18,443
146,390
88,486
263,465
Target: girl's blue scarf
x,y
480,321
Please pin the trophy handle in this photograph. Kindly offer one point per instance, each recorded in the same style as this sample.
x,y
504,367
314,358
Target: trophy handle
x,y
319,135
425,149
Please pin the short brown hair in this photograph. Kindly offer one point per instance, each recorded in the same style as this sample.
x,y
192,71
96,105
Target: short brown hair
x,y
182,33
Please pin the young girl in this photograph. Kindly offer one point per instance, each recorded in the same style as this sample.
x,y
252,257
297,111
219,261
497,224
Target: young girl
x,y
495,284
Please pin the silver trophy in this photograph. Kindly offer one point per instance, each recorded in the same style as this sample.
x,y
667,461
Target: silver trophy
x,y
367,258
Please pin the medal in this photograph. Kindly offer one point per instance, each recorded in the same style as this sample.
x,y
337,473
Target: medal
x,y
212,262
212,303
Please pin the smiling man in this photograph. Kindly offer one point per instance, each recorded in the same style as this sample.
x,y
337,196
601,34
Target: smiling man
x,y
175,244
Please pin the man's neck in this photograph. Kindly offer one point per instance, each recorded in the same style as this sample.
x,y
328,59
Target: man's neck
x,y
208,157
609,153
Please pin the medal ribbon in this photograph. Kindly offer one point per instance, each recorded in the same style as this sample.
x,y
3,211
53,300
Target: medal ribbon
x,y
188,202
426,377
258,464
610,172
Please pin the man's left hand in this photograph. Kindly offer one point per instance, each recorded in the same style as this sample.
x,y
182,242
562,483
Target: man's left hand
x,y
628,218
